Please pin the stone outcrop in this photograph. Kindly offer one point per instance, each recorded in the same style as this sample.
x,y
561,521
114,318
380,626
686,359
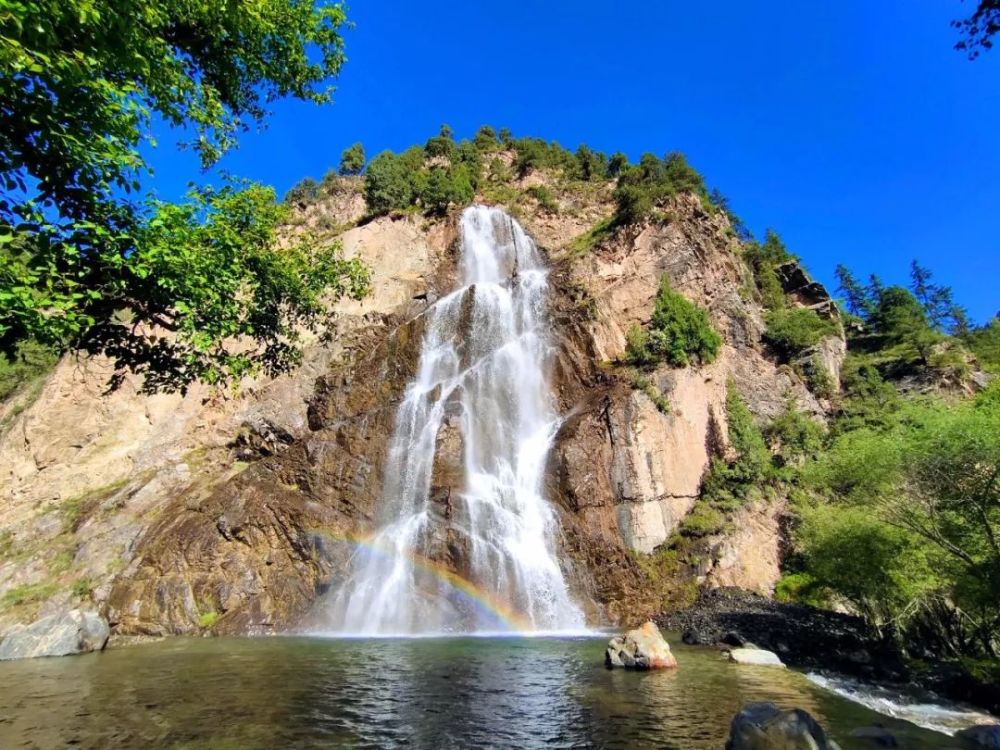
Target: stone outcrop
x,y
643,648
233,512
61,634
764,726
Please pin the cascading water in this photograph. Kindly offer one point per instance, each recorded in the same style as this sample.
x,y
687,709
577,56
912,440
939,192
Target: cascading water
x,y
483,366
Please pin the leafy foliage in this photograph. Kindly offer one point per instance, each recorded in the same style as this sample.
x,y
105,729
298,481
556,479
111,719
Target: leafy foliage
x,y
30,360
446,186
82,82
352,160
728,484
763,259
923,497
680,332
792,330
642,187
979,28
984,342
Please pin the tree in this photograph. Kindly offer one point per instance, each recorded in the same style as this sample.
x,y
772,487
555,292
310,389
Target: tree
x,y
485,138
81,84
939,306
792,330
352,160
387,183
302,193
447,186
616,164
854,294
900,319
592,164
442,144
978,29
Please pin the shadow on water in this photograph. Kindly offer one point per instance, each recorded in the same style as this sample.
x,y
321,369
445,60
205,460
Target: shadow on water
x,y
424,693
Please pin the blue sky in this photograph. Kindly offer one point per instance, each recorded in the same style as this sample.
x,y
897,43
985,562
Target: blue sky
x,y
852,128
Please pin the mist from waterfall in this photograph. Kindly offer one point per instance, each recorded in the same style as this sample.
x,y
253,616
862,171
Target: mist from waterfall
x,y
483,373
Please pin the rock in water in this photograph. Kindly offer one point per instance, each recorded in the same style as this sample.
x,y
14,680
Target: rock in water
x,y
982,735
756,656
642,648
764,726
61,634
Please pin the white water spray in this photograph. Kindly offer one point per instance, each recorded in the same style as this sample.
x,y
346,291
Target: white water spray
x,y
483,370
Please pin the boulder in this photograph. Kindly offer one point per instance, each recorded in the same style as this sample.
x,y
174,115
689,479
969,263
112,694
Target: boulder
x,y
642,648
757,657
981,735
764,726
61,634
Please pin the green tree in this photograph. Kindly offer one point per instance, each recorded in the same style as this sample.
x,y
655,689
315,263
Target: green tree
x,y
81,85
442,144
352,160
855,295
388,183
984,342
592,164
446,187
485,138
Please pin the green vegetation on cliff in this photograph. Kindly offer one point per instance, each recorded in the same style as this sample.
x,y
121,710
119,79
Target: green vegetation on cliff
x,y
679,333
85,260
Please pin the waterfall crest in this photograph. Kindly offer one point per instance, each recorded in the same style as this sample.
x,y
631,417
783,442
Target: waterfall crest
x,y
483,374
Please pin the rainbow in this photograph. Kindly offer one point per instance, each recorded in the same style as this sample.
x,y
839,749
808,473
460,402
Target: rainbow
x,y
484,602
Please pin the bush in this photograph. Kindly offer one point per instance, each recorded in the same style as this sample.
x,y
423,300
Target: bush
x,y
352,160
545,198
793,330
30,361
592,165
762,259
729,484
303,193
485,139
984,343
679,333
795,434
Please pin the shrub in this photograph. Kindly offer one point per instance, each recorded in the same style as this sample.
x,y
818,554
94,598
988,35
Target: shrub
x,y
30,361
702,521
616,164
679,332
795,434
545,198
984,343
729,484
762,259
303,193
793,330
352,160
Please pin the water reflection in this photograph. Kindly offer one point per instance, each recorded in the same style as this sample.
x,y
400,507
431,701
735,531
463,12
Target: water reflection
x,y
429,693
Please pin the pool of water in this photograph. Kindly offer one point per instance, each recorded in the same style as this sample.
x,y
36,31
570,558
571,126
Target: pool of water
x,y
293,692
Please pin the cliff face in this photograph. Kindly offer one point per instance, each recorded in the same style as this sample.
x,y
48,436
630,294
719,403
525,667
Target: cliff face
x,y
235,511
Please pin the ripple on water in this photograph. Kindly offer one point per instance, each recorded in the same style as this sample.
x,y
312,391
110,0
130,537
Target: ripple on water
x,y
421,693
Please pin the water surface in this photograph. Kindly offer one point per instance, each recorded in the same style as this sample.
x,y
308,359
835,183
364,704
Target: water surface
x,y
285,692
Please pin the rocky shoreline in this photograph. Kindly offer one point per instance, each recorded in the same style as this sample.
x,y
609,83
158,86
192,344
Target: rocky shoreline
x,y
814,639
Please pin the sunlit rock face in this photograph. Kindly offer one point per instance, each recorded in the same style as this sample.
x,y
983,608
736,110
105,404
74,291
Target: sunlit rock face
x,y
530,491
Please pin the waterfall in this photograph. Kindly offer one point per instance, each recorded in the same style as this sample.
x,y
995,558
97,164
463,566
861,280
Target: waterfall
x,y
486,559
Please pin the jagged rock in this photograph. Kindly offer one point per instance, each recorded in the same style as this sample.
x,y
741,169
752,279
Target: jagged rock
x,y
764,726
642,648
877,734
981,735
260,437
61,634
757,657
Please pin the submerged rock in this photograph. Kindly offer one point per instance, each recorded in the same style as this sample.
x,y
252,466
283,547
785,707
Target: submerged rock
x,y
764,726
981,735
61,634
877,734
642,648
757,657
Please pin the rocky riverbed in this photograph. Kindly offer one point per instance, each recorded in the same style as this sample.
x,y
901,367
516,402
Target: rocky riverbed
x,y
820,640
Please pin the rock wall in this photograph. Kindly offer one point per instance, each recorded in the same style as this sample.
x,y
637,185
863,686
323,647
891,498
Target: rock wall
x,y
235,512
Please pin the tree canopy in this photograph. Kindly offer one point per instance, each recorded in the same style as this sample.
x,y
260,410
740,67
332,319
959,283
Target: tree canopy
x,y
82,84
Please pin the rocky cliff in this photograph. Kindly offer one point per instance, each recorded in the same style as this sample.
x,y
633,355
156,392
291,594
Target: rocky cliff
x,y
234,511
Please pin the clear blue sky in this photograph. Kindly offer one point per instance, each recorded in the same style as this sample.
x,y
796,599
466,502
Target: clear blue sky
x,y
852,128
